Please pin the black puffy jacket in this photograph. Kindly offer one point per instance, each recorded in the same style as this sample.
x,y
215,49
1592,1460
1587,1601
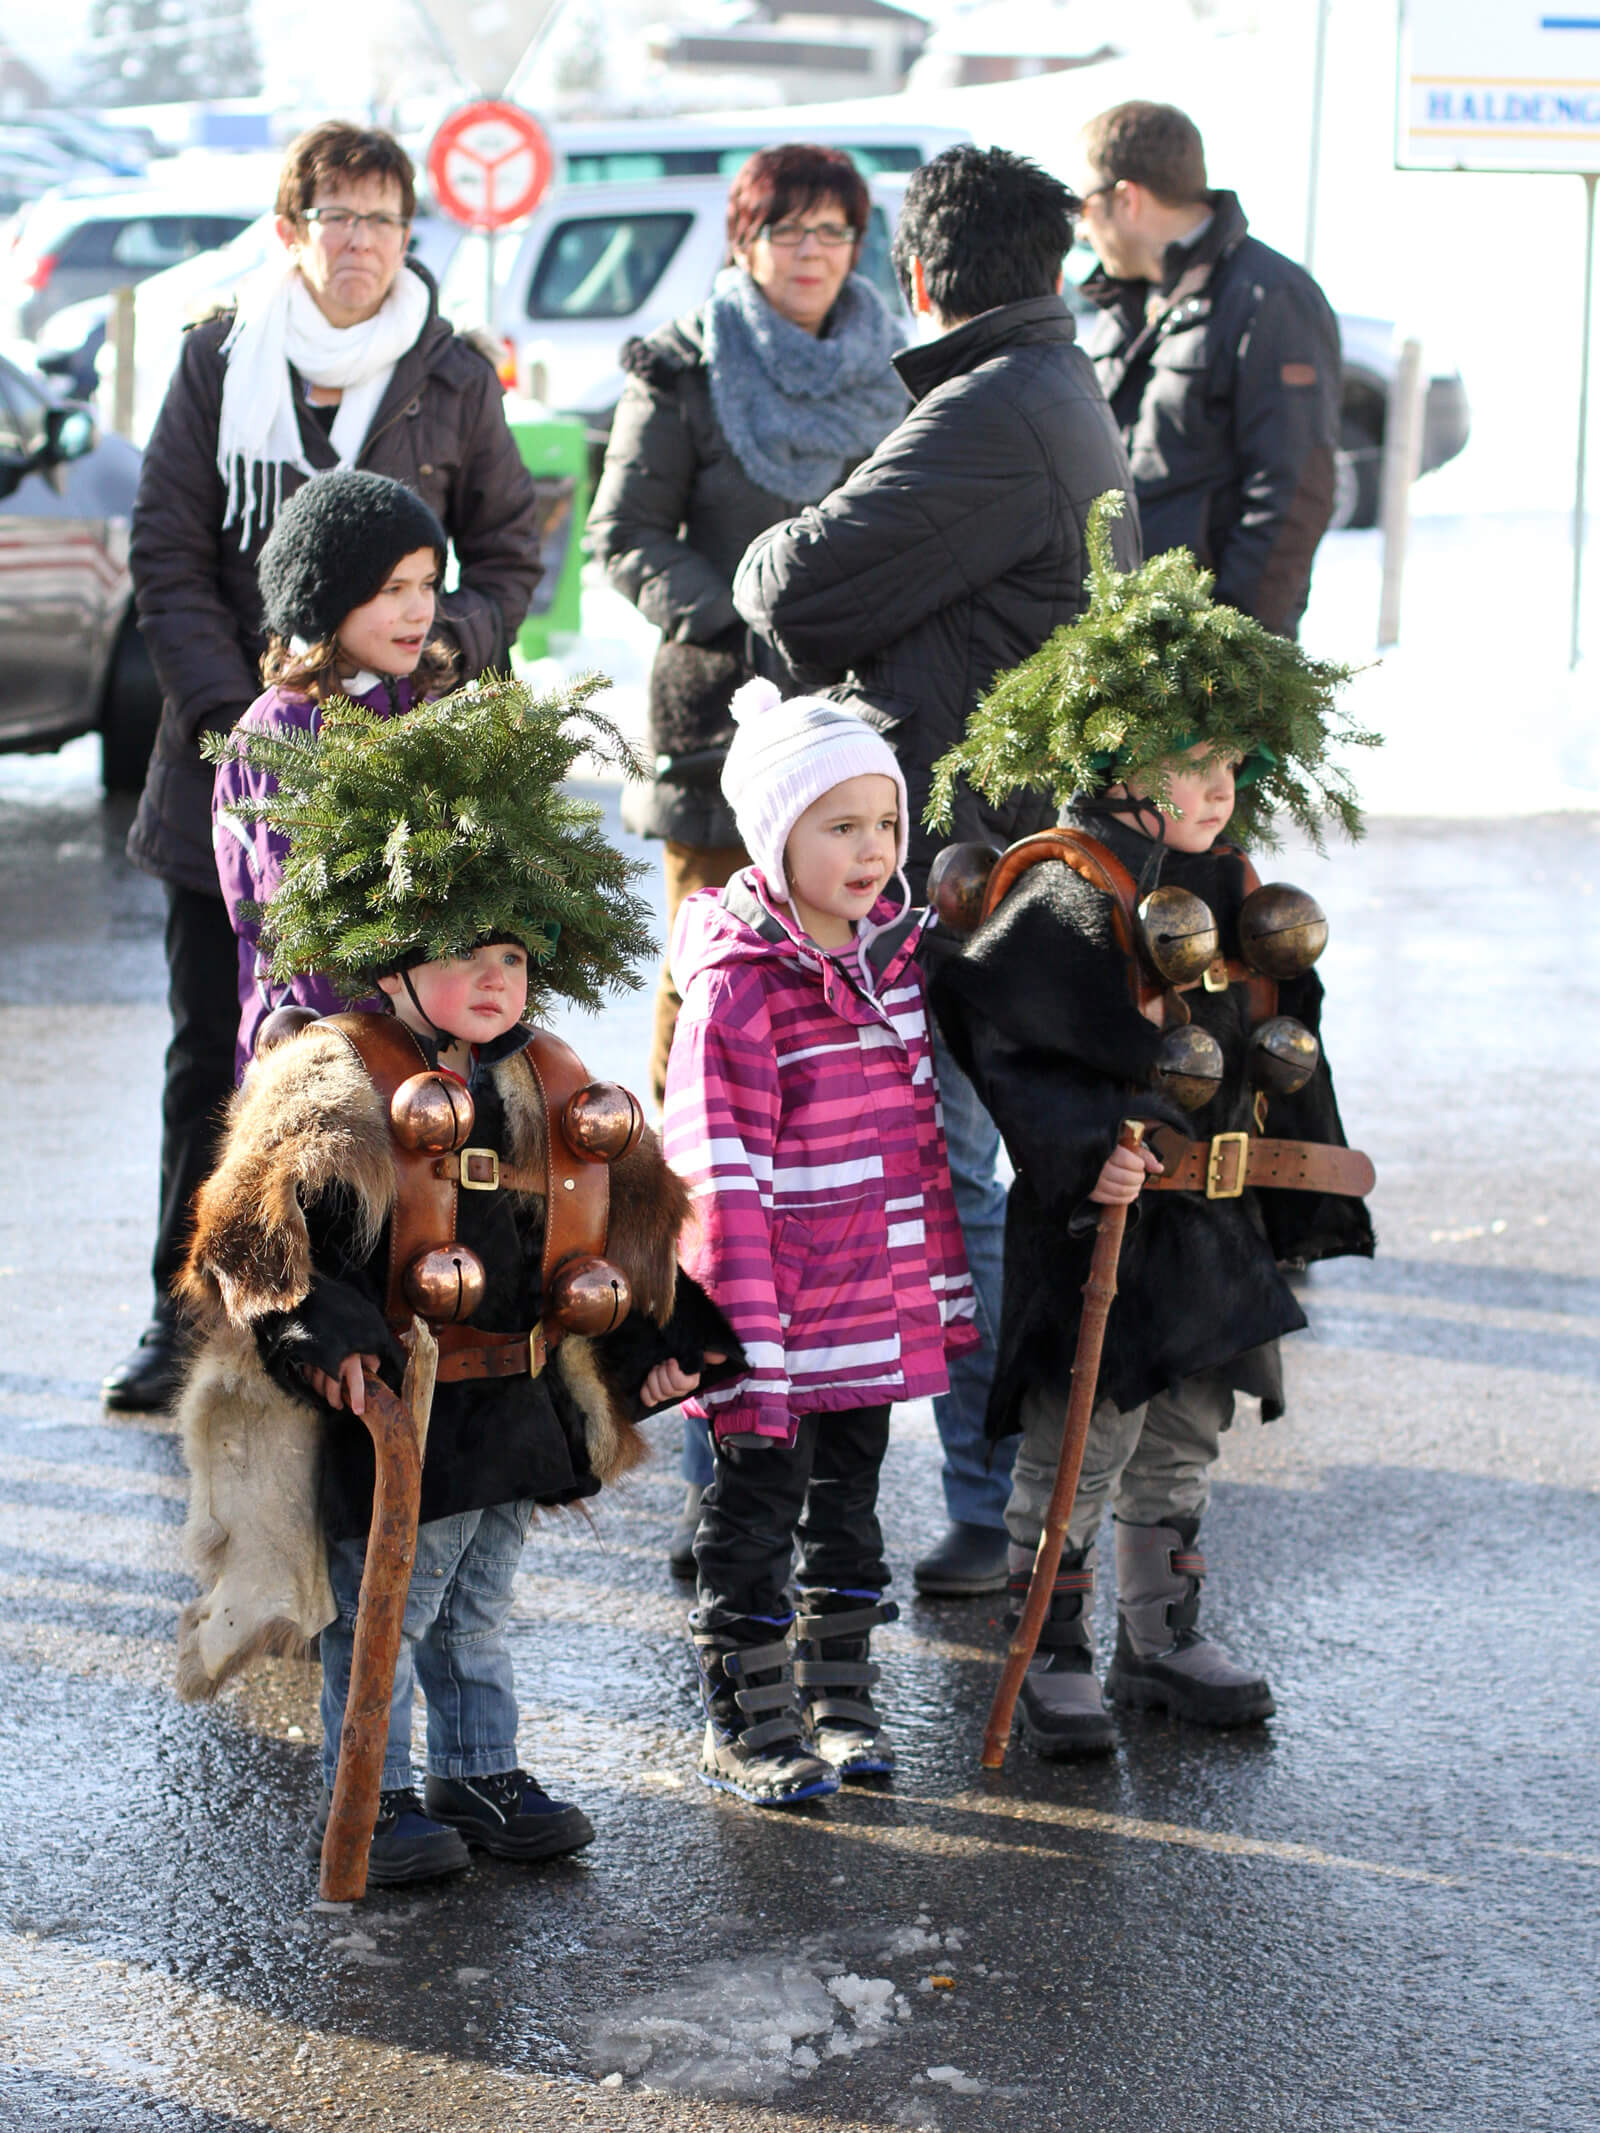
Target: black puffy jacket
x,y
440,428
953,551
1225,383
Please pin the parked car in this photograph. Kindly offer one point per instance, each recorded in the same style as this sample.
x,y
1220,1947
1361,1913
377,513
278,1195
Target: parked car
x,y
70,649
80,242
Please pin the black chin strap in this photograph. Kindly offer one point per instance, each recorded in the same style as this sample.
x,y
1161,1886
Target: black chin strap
x,y
1137,805
443,1036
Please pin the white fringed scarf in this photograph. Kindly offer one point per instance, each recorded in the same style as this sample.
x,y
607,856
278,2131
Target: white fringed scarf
x,y
277,324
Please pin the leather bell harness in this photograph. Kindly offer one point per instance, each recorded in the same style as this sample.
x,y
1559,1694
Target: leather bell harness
x,y
1222,1167
577,1194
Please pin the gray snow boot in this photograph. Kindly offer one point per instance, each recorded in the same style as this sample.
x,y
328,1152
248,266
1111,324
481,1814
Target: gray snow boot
x,y
1063,1711
755,1744
835,1677
1162,1659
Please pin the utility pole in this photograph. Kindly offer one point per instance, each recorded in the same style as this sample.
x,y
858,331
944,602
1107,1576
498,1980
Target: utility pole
x,y
1319,68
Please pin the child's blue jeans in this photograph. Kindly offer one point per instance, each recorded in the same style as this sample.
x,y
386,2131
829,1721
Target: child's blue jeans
x,y
452,1641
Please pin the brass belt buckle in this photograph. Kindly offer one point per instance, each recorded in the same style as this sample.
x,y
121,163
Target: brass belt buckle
x,y
1216,1163
471,1184
536,1351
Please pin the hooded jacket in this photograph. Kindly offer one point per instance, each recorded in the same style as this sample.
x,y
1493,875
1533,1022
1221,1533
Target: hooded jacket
x,y
1225,385
803,1114
1036,1010
953,551
440,428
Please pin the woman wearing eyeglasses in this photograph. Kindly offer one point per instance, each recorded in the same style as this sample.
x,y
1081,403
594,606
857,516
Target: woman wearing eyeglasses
x,y
732,419
335,356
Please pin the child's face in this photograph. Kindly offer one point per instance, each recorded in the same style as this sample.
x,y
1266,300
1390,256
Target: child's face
x,y
840,854
388,631
1202,794
474,998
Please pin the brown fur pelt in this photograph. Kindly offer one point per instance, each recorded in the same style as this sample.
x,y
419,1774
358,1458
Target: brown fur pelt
x,y
306,1118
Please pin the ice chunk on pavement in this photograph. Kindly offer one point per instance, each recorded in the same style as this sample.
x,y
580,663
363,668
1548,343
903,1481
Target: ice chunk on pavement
x,y
911,1940
953,2078
869,1999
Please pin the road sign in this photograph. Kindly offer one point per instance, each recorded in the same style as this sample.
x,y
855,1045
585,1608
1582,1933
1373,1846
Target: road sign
x,y
490,164
1499,85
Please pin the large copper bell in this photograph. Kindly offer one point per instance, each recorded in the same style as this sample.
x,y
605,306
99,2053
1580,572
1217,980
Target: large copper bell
x,y
431,1114
1282,930
1188,1066
1283,1055
589,1295
1178,935
956,884
602,1121
445,1284
282,1024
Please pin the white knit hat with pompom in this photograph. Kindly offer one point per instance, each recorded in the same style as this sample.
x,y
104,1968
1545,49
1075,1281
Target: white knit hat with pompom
x,y
787,752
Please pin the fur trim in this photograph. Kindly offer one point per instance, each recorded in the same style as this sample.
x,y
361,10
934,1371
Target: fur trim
x,y
614,1443
253,1537
306,1118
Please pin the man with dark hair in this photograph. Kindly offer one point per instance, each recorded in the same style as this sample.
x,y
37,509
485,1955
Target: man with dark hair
x,y
947,556
1220,359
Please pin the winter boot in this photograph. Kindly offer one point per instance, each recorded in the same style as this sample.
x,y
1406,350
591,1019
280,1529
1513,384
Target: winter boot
x,y
755,1744
680,1543
407,1843
510,1815
1063,1711
835,1677
1162,1659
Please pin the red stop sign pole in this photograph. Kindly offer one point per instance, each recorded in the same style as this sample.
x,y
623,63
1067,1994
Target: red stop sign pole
x,y
490,164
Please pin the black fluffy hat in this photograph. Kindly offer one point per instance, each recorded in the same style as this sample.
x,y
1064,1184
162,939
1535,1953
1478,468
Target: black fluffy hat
x,y
333,547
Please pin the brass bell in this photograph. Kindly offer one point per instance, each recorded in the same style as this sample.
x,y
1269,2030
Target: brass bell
x,y
1283,1055
602,1121
445,1284
956,884
282,1024
589,1295
1178,934
1282,930
431,1114
1188,1066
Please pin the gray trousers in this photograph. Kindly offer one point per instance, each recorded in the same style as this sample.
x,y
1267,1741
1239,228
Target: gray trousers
x,y
1154,1462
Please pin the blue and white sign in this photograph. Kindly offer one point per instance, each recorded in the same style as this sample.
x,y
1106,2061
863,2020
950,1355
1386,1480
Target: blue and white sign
x,y
1499,85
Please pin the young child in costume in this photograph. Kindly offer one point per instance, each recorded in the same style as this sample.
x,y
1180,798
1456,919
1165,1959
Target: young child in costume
x,y
801,1110
433,860
348,581
1162,722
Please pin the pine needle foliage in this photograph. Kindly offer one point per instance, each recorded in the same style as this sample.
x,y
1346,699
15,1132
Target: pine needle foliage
x,y
417,837
1153,667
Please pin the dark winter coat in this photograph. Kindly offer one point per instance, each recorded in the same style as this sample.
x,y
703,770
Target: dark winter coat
x,y
1225,383
1037,1010
440,428
673,514
953,551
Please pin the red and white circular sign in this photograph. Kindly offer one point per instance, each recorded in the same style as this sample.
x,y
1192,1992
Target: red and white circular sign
x,y
490,164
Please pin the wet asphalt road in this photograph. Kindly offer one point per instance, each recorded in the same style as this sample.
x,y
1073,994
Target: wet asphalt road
x,y
1375,1912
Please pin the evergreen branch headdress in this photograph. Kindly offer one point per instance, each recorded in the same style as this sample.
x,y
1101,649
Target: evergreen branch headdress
x,y
415,838
1153,667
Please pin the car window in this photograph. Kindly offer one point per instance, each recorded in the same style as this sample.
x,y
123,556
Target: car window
x,y
89,245
22,412
874,262
603,266
629,165
155,241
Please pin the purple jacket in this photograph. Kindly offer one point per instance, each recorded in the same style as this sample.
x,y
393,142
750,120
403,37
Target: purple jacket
x,y
250,856
802,1111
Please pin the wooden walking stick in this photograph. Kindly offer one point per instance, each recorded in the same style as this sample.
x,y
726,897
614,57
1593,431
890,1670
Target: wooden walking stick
x,y
1098,1291
399,1429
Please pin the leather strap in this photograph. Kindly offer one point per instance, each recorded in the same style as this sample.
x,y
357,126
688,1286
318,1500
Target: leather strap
x,y
482,1170
577,1190
1222,1167
424,1212
469,1352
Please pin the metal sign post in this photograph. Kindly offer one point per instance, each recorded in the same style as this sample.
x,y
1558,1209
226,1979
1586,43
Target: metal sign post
x,y
1509,85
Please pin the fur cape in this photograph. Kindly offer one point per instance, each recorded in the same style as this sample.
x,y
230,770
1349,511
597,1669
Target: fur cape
x,y
1036,1010
307,1118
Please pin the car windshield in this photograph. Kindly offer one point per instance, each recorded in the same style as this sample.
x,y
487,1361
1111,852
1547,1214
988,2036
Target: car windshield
x,y
628,165
603,266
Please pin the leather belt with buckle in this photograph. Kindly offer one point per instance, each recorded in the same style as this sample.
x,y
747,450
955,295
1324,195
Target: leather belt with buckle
x,y
1222,1167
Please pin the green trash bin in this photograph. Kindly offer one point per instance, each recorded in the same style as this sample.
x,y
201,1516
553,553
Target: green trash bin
x,y
555,450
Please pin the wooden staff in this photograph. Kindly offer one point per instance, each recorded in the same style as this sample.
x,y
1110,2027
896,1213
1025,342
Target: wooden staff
x,y
380,1612
1098,1291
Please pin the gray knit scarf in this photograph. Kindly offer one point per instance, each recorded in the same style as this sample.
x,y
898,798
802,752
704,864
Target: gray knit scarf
x,y
798,408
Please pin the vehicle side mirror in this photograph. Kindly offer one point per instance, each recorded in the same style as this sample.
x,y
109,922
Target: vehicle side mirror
x,y
68,434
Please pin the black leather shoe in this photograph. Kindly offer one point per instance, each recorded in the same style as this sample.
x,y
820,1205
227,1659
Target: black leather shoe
x,y
968,1561
510,1815
407,1843
150,1379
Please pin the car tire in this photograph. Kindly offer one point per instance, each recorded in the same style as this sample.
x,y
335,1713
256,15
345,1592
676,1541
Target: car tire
x,y
1357,473
132,712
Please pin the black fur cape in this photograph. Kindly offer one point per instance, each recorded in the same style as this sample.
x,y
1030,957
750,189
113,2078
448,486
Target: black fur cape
x,y
1037,1011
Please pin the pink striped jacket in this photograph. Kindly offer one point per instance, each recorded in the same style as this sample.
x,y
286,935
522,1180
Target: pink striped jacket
x,y
803,1114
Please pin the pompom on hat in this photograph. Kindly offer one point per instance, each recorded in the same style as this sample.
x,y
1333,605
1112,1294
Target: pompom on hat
x,y
785,754
334,545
